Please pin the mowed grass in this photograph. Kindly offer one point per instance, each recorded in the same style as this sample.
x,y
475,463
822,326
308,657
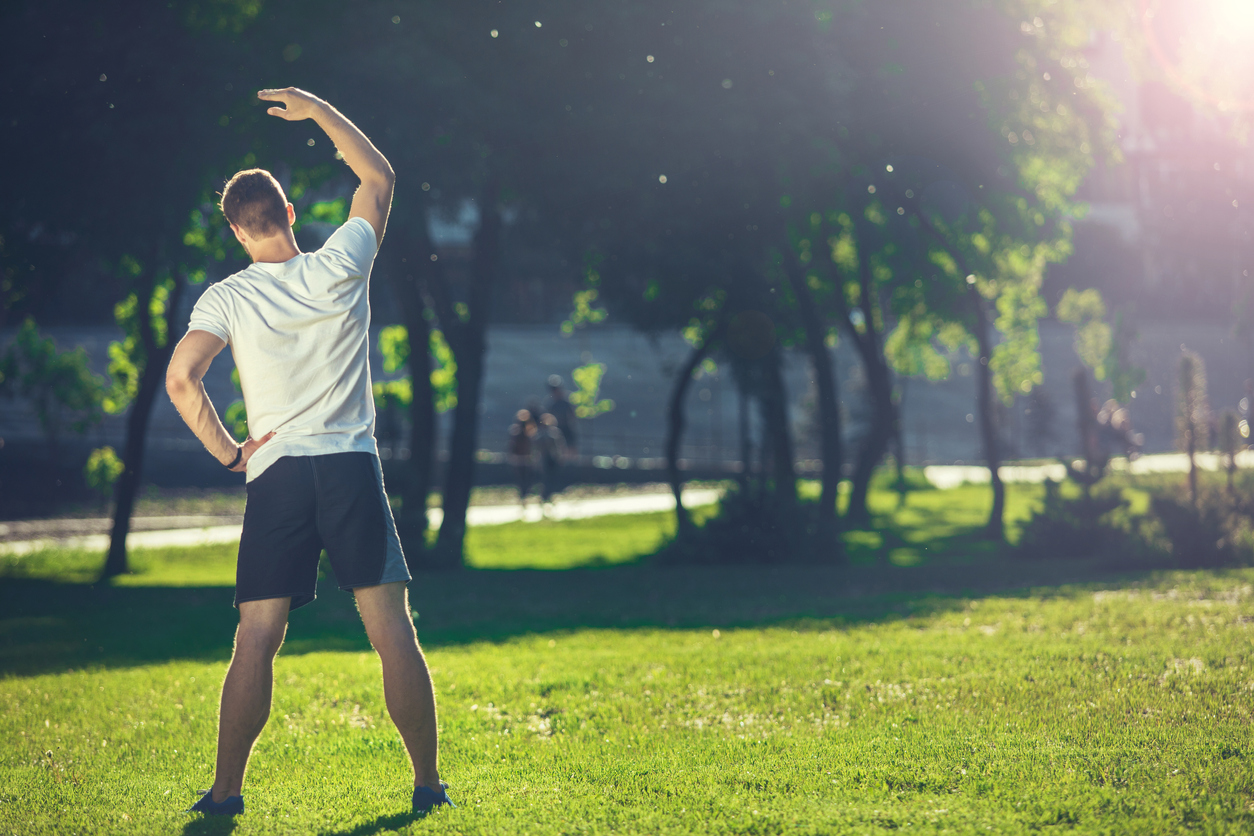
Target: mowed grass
x,y
963,694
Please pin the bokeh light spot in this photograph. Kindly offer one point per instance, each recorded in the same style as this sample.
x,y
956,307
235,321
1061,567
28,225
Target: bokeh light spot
x,y
661,178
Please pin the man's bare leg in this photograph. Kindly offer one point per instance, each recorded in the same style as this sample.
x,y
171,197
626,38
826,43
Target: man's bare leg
x,y
407,684
247,690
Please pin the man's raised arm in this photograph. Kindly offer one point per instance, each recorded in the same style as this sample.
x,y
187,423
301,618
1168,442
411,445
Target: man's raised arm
x,y
373,200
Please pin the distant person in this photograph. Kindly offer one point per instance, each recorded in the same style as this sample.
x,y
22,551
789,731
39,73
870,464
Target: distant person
x,y
559,407
552,449
520,451
298,327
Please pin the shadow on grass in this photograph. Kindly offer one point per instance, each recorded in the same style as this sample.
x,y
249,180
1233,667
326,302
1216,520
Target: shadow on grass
x,y
50,627
210,825
388,823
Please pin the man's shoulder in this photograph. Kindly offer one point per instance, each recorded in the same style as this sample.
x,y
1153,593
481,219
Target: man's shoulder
x,y
226,290
236,280
352,245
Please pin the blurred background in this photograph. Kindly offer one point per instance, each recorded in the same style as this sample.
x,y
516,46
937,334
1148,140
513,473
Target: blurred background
x,y
729,241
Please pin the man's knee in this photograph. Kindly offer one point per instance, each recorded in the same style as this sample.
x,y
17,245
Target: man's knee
x,y
262,626
385,613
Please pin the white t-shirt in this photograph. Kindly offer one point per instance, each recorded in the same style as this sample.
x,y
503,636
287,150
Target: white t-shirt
x,y
300,335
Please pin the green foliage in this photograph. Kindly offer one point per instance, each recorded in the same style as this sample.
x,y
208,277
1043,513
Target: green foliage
x,y
221,16
751,527
236,418
328,211
1212,530
394,346
911,347
1088,526
128,357
209,235
584,312
585,397
1101,346
103,469
1093,343
59,385
444,373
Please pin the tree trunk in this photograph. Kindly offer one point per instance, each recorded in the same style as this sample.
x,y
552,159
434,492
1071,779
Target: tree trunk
x,y
746,443
830,444
899,441
880,385
984,382
777,429
422,431
469,343
406,275
675,431
137,420
995,529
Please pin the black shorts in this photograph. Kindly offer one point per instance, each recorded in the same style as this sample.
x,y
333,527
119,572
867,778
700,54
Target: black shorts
x,y
301,505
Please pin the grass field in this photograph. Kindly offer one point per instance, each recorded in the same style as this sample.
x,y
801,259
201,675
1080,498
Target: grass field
x,y
942,688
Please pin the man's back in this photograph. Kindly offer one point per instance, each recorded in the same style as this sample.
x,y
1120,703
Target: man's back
x,y
299,334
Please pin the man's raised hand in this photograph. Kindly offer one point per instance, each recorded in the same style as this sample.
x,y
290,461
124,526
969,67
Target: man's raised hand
x,y
300,105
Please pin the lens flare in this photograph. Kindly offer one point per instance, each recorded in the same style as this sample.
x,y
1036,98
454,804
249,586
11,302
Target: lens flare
x,y
1233,20
1206,48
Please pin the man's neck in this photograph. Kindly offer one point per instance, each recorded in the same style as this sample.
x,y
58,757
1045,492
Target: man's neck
x,y
275,249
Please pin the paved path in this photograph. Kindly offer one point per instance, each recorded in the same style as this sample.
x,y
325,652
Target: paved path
x,y
162,532
949,476
227,529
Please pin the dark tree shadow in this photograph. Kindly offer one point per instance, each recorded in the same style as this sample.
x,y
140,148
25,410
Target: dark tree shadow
x,y
49,627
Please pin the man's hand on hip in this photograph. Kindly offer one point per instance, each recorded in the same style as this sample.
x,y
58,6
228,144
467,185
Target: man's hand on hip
x,y
247,449
300,105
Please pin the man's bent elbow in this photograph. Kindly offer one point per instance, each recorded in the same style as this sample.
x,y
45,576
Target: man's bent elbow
x,y
384,176
178,384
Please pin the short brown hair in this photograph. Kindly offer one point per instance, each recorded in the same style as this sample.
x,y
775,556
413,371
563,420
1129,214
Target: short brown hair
x,y
254,201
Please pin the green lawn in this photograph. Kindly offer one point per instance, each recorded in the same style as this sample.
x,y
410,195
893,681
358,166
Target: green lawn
x,y
964,693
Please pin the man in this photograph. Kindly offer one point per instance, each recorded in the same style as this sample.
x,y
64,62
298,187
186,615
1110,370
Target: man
x,y
551,446
559,407
298,327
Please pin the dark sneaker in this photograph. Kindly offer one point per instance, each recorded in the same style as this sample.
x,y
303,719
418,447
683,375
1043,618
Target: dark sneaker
x,y
233,806
427,799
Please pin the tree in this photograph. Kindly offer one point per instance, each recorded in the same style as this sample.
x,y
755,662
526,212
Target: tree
x,y
703,341
1192,412
59,385
436,393
821,365
1101,346
138,370
133,151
